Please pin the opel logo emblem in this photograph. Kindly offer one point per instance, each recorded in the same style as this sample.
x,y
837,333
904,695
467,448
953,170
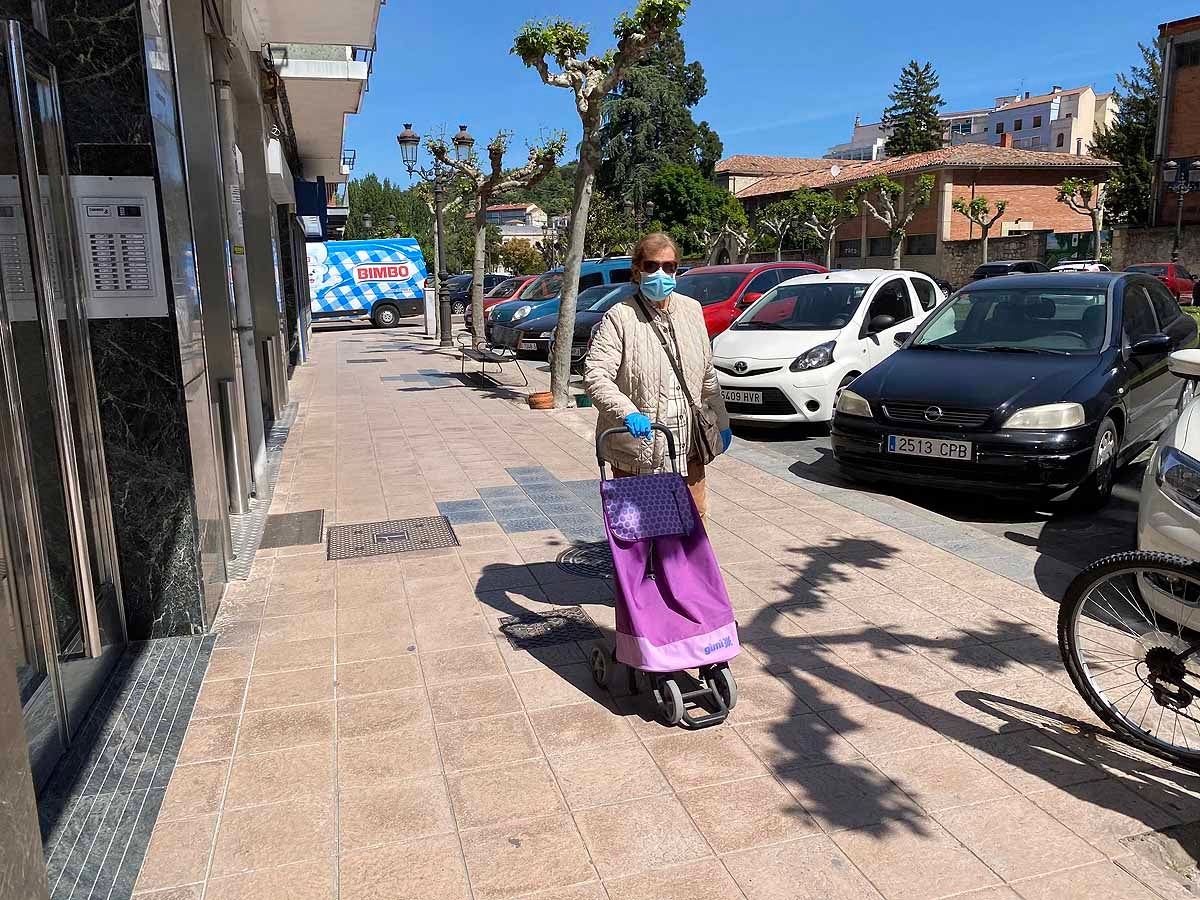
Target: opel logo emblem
x,y
740,366
933,413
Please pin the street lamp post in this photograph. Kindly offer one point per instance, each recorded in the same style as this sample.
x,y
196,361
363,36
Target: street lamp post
x,y
1182,179
439,177
367,221
641,217
391,220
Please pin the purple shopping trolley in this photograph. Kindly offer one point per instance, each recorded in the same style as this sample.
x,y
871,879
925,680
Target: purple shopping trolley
x,y
673,611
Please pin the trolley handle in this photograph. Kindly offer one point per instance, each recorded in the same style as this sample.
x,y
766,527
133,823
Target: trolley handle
x,y
654,426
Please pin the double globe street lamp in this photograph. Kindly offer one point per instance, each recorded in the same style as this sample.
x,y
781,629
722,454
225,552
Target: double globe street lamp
x,y
1182,179
439,177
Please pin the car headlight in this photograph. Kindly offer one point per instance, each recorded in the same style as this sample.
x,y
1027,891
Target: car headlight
x,y
851,404
522,312
816,358
1179,477
490,314
1050,417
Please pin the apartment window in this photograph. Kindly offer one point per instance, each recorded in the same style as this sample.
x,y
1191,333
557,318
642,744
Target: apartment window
x,y
880,246
921,245
1018,124
1060,140
1035,141
1187,54
849,248
999,128
1037,121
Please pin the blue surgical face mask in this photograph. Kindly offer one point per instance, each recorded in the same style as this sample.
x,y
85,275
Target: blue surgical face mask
x,y
658,286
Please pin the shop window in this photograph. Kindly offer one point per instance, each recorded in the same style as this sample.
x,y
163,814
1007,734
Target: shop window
x,y
879,246
849,248
921,245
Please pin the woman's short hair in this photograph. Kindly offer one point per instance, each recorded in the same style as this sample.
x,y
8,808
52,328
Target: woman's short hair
x,y
652,242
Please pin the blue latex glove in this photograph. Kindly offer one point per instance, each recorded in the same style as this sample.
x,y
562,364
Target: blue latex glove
x,y
727,437
638,424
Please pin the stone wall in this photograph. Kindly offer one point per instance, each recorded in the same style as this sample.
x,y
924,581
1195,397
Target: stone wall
x,y
1134,245
961,258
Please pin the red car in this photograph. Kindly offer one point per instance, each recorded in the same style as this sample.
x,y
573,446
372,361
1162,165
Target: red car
x,y
1175,276
724,291
508,289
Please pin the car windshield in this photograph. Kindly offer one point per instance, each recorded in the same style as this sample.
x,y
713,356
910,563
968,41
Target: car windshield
x,y
457,281
1032,320
602,296
1147,270
707,288
986,271
546,287
820,306
507,288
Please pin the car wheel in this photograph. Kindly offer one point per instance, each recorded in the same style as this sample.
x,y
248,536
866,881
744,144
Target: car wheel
x,y
1096,490
384,315
458,307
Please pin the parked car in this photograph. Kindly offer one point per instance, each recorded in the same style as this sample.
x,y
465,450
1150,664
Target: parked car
x,y
787,357
1175,276
1169,511
542,295
1008,267
724,291
536,335
459,289
1032,384
1081,265
509,289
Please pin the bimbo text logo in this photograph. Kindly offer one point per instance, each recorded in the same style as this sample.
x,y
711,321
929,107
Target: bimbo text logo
x,y
722,644
380,272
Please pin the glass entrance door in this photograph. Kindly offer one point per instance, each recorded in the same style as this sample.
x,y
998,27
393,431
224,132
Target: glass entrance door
x,y
57,521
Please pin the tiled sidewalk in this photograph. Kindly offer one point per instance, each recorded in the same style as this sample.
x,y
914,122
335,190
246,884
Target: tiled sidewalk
x,y
904,729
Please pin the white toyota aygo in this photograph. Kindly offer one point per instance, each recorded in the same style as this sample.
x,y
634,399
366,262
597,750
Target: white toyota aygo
x,y
787,357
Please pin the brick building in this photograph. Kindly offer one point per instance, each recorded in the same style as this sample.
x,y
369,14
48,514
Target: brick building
x,y
1178,134
1028,180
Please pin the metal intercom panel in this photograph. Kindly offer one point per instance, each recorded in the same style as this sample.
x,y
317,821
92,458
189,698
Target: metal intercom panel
x,y
16,266
120,251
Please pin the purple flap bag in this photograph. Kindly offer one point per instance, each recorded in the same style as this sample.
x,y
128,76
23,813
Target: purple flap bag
x,y
647,506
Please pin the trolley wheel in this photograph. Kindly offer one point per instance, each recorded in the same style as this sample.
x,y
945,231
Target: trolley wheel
x,y
725,685
600,667
670,701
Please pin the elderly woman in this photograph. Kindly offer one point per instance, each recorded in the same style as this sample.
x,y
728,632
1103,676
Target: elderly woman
x,y
650,361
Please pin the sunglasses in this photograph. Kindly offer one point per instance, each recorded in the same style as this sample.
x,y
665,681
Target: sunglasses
x,y
650,266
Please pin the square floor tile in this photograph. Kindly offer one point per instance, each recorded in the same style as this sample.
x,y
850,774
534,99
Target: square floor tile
x,y
703,880
310,654
385,711
542,688
442,666
942,777
263,836
609,774
524,790
194,790
448,635
391,756
220,698
229,662
281,775
473,743
473,699
302,627
426,869
290,688
178,853
208,739
1016,839
287,726
523,857
1099,881
692,760
811,868
578,726
374,675
401,810
638,835
298,604
314,879
377,645
853,794
1103,813
1031,760
916,862
377,618
797,742
747,814
882,728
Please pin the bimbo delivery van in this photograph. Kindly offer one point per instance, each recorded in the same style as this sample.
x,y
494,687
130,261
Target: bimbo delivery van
x,y
383,279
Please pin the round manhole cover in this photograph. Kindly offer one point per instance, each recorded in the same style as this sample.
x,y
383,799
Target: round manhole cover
x,y
587,560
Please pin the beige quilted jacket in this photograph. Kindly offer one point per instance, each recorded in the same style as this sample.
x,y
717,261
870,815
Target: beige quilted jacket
x,y
627,371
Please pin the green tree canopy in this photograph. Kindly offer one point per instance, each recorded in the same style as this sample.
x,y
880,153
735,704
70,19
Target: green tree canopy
x,y
610,230
691,207
1130,141
520,258
912,116
552,193
648,121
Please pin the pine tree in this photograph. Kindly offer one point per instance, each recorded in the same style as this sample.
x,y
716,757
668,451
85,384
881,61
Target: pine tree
x,y
912,118
1130,141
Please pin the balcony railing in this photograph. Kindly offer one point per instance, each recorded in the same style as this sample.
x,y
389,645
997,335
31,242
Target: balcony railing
x,y
349,158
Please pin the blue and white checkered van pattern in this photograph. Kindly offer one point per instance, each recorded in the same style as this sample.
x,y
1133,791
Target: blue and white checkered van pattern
x,y
351,276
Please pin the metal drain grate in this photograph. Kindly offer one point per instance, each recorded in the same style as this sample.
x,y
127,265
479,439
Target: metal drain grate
x,y
366,360
587,560
395,536
294,529
562,625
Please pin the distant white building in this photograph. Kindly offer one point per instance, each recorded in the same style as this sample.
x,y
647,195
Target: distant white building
x,y
517,221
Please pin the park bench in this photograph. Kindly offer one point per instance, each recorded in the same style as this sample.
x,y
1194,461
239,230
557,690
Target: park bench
x,y
486,354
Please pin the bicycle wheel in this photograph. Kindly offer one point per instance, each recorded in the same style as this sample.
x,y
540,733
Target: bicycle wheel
x,y
1129,633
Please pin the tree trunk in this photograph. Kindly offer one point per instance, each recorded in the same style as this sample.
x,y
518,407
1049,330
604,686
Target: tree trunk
x,y
564,331
983,230
477,267
779,251
829,250
897,249
1097,222
431,270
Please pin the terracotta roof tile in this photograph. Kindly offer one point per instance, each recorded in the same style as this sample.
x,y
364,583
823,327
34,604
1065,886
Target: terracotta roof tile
x,y
1042,98
746,164
985,156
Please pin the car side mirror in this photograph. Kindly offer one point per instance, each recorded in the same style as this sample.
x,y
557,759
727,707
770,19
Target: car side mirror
x,y
901,337
748,298
1185,363
880,323
1151,345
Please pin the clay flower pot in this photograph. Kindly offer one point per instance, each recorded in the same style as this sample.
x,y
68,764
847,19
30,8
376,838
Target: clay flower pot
x,y
541,400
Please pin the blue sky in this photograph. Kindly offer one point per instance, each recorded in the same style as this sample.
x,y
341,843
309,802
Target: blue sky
x,y
784,78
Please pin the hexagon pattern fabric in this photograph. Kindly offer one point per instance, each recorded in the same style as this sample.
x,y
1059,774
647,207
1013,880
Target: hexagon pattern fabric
x,y
646,506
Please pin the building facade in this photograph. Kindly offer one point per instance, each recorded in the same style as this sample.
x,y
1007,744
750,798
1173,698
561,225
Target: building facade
x,y
1178,134
164,163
